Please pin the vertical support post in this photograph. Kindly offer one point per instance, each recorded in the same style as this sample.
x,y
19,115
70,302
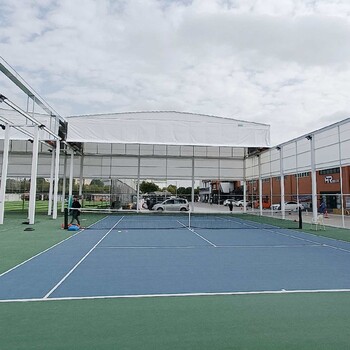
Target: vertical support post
x,y
64,182
313,178
244,182
5,157
71,172
282,184
33,178
138,182
244,196
65,224
192,191
271,194
271,187
55,189
49,211
341,180
260,186
219,178
81,178
296,170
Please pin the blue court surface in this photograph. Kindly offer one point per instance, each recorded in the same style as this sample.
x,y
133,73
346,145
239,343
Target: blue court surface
x,y
121,256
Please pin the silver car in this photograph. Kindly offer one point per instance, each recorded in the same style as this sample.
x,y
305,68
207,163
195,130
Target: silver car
x,y
172,204
227,202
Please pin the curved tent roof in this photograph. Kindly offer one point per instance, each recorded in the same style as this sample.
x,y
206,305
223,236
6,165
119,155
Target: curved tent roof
x,y
167,128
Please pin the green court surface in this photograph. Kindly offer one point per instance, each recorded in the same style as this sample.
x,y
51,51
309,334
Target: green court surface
x,y
331,232
18,245
264,321
293,321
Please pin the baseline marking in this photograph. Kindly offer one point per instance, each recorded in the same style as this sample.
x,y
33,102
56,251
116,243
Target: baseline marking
x,y
81,260
283,291
218,246
153,247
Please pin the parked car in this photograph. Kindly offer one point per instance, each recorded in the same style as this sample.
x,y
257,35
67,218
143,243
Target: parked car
x,y
172,204
240,203
288,206
227,202
276,206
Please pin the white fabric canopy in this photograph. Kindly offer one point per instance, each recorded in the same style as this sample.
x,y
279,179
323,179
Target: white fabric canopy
x,y
167,128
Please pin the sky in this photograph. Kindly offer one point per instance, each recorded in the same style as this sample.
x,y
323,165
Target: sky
x,y
285,63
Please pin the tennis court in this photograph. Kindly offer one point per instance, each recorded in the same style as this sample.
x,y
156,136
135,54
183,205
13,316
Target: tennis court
x,y
172,255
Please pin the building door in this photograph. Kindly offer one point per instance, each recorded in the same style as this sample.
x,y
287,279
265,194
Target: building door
x,y
331,199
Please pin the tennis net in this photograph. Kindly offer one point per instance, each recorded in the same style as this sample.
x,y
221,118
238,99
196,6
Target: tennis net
x,y
116,219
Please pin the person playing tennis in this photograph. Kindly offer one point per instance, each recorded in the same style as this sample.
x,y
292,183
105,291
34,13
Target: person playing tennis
x,y
75,210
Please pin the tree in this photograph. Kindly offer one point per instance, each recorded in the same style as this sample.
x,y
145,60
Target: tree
x,y
42,185
97,186
97,183
172,189
181,190
147,187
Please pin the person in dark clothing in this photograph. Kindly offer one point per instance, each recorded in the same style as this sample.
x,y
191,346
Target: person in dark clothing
x,y
230,205
322,208
75,210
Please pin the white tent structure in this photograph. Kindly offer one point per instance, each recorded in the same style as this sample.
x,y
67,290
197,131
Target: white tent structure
x,y
167,128
164,145
139,145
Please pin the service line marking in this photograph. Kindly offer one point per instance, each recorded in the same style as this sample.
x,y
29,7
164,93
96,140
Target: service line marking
x,y
81,260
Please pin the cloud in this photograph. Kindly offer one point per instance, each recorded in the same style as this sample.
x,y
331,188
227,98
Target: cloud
x,y
257,60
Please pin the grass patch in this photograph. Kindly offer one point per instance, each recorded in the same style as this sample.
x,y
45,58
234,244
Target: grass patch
x,y
293,321
18,245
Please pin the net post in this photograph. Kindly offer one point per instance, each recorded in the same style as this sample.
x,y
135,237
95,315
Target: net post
x,y
189,219
65,218
300,219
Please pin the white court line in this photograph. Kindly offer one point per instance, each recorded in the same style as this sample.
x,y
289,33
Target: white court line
x,y
81,260
314,243
311,241
217,246
153,247
336,248
136,296
44,251
292,236
270,246
193,231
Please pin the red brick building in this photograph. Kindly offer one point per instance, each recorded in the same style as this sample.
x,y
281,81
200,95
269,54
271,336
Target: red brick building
x,y
300,187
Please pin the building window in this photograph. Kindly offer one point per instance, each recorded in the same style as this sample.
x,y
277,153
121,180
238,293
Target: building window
x,y
306,174
329,171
